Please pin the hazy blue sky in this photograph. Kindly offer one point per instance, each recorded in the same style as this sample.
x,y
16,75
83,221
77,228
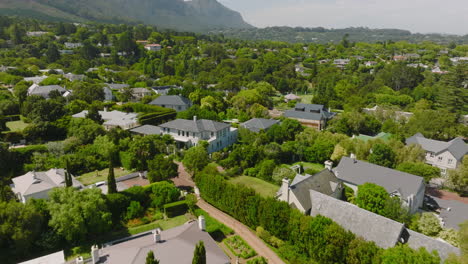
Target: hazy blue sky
x,y
444,16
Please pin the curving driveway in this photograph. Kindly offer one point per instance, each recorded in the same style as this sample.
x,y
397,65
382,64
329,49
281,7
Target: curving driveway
x,y
248,235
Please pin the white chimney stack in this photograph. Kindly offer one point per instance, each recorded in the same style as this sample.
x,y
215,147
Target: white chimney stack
x,y
157,235
79,260
201,223
285,190
195,118
353,156
328,165
95,253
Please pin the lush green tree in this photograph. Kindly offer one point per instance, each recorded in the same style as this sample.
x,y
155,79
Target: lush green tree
x,y
420,169
150,258
372,197
265,169
52,53
195,159
85,129
395,210
76,215
199,255
20,226
93,114
382,155
451,236
163,193
458,179
134,210
429,225
111,183
362,252
403,254
161,168
463,239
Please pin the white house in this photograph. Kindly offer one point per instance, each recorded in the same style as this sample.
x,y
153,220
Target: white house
x,y
176,102
189,133
444,155
45,91
113,119
38,184
72,45
153,47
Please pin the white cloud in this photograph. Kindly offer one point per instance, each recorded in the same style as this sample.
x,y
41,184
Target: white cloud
x,y
449,16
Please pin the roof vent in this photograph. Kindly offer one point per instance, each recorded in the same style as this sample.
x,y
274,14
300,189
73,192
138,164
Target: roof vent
x,y
157,235
201,223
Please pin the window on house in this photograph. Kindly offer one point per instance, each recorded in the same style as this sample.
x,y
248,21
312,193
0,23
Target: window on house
x,y
212,134
450,161
178,132
444,171
440,159
432,154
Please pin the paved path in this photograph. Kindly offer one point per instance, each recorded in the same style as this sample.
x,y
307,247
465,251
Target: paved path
x,y
183,180
446,195
250,237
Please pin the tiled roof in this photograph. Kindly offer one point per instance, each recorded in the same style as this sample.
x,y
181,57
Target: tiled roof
x,y
34,182
372,227
309,111
457,147
417,240
147,130
177,246
197,126
359,172
257,124
171,100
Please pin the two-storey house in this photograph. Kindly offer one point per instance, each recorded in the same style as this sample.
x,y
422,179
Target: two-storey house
x,y
444,155
188,133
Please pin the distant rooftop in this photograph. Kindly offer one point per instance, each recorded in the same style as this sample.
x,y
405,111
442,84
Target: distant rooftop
x,y
382,135
171,100
257,124
201,125
457,147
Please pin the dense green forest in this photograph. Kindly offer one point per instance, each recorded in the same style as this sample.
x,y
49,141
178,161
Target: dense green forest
x,y
225,79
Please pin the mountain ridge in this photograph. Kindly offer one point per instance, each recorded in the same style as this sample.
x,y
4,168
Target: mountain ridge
x,y
195,15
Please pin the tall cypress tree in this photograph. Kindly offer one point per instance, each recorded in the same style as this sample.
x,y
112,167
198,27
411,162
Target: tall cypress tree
x,y
199,255
68,178
150,258
111,184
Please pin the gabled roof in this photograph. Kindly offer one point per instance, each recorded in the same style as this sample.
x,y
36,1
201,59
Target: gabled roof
x,y
417,240
171,100
309,111
34,182
117,86
359,172
324,182
177,246
257,124
44,90
147,130
457,147
372,227
202,125
54,258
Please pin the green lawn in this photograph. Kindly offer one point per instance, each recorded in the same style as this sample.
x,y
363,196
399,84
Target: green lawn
x,y
262,187
16,126
97,176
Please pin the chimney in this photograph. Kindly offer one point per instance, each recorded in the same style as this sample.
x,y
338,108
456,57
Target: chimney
x,y
353,156
79,260
285,190
95,253
201,223
194,118
328,165
157,235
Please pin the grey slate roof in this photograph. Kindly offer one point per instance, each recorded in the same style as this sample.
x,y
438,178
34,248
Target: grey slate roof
x,y
324,182
177,247
147,130
372,227
257,124
35,182
117,86
359,172
45,90
171,100
417,240
457,147
309,112
197,126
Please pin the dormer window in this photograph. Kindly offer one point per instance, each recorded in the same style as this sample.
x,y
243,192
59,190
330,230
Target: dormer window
x,y
440,159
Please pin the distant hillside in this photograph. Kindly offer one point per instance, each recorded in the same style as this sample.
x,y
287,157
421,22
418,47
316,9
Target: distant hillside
x,y
195,15
322,35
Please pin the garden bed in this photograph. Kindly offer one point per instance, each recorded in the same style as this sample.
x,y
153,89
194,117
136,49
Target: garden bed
x,y
239,247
